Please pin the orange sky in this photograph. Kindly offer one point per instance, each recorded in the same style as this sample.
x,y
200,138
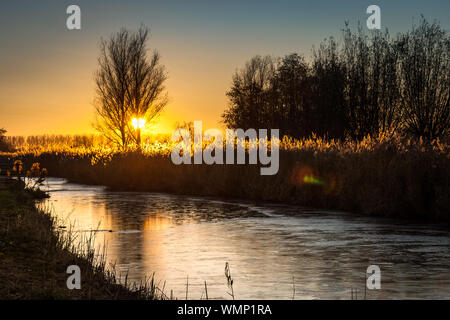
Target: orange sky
x,y
56,97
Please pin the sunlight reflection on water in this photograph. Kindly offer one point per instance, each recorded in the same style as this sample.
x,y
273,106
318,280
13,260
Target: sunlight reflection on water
x,y
267,246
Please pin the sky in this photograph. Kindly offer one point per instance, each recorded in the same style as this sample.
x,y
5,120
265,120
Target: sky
x,y
47,71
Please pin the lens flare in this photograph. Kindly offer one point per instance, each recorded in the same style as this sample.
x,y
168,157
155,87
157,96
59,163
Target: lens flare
x,y
302,175
310,179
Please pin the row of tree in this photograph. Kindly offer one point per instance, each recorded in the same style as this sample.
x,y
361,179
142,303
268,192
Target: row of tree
x,y
364,84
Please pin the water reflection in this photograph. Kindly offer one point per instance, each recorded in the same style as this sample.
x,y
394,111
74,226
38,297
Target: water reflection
x,y
270,248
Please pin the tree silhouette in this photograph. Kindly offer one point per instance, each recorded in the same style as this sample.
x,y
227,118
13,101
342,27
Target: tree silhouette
x,y
424,80
293,88
328,85
129,85
4,145
371,93
249,94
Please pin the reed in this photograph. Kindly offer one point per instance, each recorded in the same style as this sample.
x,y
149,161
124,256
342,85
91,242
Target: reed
x,y
388,175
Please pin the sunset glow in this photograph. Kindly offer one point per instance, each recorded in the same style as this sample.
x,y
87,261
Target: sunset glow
x,y
138,123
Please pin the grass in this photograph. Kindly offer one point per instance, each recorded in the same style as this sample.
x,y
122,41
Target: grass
x,y
35,251
34,255
388,175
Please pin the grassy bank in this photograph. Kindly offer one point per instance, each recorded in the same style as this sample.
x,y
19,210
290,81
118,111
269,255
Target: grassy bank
x,y
35,253
386,175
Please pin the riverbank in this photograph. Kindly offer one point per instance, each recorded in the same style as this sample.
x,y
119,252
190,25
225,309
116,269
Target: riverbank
x,y
189,239
34,256
390,176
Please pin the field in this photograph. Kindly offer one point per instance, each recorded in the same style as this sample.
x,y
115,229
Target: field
x,y
387,175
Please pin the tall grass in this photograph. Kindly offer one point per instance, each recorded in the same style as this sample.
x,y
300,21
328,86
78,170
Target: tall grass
x,y
38,251
389,174
82,246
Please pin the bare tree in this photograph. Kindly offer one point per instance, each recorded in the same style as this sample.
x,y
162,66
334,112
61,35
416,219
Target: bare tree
x,y
248,95
328,85
129,85
292,86
424,80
